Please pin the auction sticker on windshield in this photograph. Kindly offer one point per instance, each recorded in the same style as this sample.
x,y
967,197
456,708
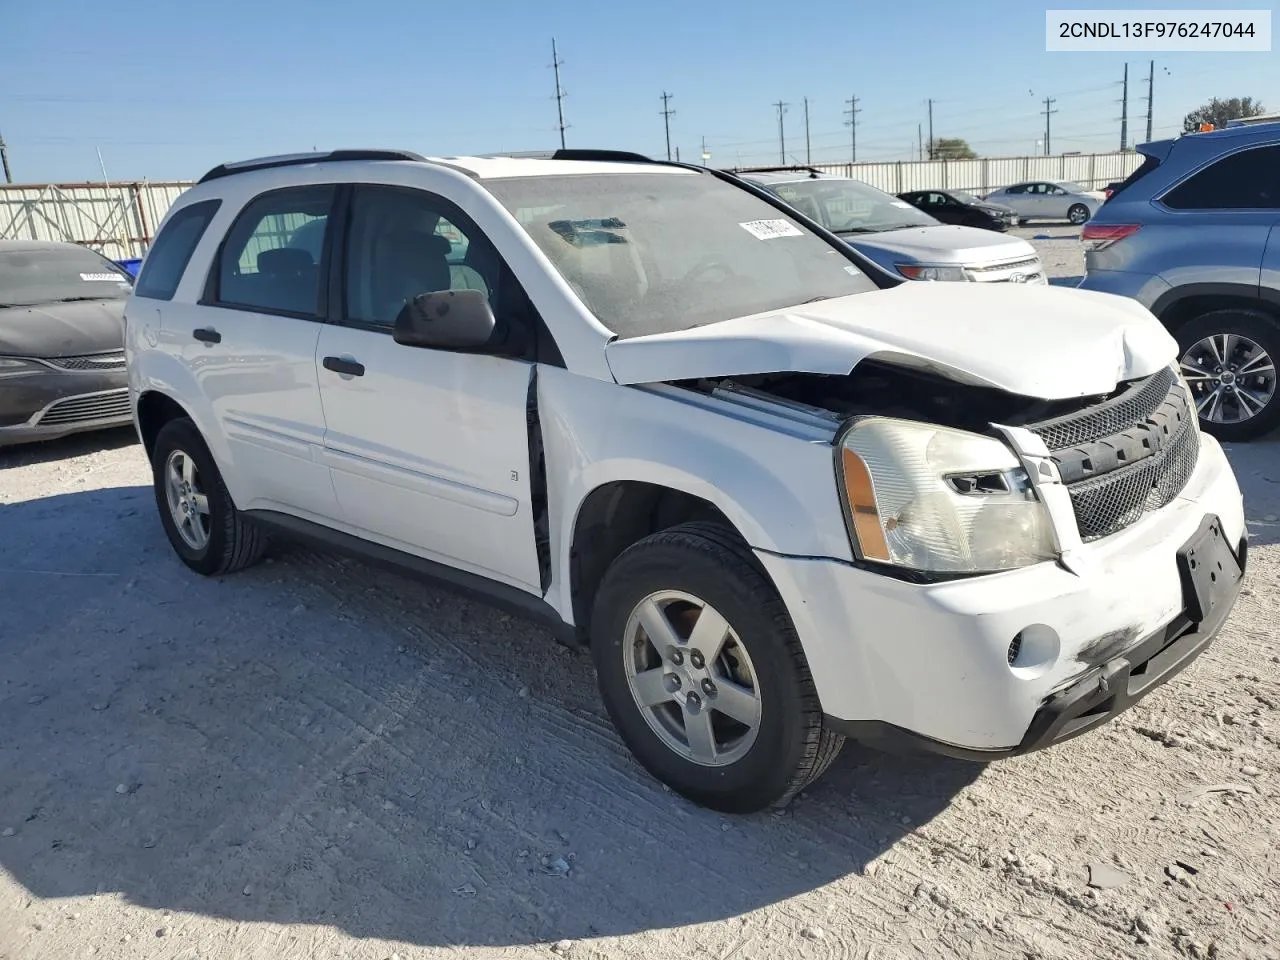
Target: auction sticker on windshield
x,y
771,229
100,276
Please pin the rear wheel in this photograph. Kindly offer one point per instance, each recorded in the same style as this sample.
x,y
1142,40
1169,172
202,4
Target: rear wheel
x,y
202,523
702,672
1229,360
1078,213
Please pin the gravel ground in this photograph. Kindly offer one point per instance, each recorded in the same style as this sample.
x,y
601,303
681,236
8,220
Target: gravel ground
x,y
316,759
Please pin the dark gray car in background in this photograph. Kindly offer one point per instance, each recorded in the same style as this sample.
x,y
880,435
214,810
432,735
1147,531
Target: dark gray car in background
x,y
62,368
1194,235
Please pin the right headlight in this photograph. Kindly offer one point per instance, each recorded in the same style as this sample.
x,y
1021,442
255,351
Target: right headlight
x,y
939,500
17,367
924,271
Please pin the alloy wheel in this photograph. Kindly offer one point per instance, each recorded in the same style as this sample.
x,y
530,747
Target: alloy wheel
x,y
188,504
1232,378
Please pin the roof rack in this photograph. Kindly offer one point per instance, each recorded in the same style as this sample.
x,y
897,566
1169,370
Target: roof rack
x,y
295,159
569,153
792,168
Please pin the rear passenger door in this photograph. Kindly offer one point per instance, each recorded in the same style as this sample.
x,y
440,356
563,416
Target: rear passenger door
x,y
429,449
251,345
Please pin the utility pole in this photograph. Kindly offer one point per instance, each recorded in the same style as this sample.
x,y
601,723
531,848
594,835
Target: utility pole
x,y
1151,82
782,134
852,123
556,64
1048,104
705,156
1124,112
667,114
4,161
930,129
919,142
808,154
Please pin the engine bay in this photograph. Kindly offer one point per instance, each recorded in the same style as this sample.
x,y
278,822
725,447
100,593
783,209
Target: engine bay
x,y
884,389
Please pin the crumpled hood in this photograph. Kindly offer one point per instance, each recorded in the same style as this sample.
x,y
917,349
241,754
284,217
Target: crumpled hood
x,y
62,329
1052,343
942,245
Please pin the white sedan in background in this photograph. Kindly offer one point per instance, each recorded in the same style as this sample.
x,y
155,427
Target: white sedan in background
x,y
1049,200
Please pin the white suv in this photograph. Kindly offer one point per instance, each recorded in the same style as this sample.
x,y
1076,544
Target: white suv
x,y
786,498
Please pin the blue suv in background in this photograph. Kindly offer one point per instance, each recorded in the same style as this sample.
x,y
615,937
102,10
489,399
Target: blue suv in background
x,y
1194,235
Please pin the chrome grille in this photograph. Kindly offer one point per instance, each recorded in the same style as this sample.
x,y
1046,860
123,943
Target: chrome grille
x,y
94,361
1127,456
1032,263
91,406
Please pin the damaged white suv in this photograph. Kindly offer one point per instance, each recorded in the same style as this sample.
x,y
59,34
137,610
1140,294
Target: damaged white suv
x,y
785,497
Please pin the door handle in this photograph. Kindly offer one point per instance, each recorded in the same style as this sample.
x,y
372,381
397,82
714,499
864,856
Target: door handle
x,y
207,335
344,366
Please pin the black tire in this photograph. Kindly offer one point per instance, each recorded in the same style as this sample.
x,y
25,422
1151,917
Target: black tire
x,y
1263,330
1078,214
792,748
234,542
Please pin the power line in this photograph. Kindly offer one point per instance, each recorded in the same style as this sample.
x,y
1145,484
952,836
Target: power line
x,y
1048,111
667,114
556,64
852,124
782,134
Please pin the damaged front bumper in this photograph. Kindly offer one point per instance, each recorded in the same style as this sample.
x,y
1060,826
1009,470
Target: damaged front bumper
x,y
1003,664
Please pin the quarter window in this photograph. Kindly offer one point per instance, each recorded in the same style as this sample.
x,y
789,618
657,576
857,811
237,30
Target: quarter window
x,y
169,255
271,260
1248,180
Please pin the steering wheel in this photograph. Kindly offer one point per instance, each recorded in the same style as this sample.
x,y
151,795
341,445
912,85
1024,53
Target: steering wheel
x,y
706,265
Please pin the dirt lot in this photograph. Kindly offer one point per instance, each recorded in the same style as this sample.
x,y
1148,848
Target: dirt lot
x,y
316,759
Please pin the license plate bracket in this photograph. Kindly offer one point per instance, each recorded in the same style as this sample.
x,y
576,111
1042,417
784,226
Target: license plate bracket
x,y
1209,570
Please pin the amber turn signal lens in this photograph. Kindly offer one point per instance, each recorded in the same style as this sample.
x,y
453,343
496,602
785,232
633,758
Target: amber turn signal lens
x,y
862,507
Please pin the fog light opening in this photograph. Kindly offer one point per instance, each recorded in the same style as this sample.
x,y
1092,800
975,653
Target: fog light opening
x,y
1033,651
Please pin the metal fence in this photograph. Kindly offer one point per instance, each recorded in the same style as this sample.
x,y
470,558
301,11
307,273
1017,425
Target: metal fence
x,y
1091,170
119,219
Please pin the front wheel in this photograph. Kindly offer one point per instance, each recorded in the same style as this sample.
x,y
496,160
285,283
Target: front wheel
x,y
702,672
1229,360
1078,214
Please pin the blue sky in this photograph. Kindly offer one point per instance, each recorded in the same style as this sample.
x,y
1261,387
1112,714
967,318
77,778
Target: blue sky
x,y
168,90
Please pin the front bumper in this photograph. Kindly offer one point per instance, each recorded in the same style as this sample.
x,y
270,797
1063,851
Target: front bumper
x,y
45,405
931,664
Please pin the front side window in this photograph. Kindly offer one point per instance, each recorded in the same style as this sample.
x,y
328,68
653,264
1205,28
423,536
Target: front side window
x,y
654,253
1248,180
165,262
58,273
402,243
271,259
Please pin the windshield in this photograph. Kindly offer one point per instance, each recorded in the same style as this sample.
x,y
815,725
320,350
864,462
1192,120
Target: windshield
x,y
52,274
851,206
659,252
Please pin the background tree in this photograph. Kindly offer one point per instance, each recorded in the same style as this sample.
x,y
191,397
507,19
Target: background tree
x,y
1218,112
951,148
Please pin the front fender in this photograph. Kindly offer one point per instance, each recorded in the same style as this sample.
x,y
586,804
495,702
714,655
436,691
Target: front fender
x,y
778,489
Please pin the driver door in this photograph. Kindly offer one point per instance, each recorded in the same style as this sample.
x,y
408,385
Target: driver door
x,y
428,449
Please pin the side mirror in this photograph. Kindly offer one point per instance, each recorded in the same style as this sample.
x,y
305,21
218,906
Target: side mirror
x,y
446,320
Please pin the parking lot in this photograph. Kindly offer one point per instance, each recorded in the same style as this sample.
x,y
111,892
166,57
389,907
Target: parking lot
x,y
315,758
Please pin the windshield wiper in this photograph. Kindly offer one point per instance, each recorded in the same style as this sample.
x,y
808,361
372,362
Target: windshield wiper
x,y
821,296
80,299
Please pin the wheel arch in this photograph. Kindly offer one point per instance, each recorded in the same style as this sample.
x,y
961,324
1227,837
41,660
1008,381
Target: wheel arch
x,y
1178,306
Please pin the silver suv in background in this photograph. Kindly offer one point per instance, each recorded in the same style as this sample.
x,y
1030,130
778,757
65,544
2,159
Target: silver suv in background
x,y
895,235
1194,235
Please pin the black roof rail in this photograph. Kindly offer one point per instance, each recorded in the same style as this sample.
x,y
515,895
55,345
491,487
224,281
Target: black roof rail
x,y
793,168
295,159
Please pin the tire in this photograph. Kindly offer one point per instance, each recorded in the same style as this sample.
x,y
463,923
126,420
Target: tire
x,y
231,541
789,749
1078,214
1249,335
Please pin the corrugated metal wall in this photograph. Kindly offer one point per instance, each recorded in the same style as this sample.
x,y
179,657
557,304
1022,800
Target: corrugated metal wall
x,y
120,219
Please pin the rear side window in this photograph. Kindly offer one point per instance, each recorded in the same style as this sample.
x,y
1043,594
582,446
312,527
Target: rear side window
x,y
271,258
1248,180
168,257
1149,165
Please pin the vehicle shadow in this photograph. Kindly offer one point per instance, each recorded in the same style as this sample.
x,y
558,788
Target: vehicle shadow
x,y
76,445
1257,468
316,741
